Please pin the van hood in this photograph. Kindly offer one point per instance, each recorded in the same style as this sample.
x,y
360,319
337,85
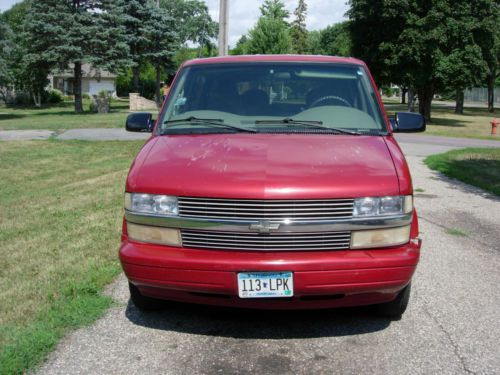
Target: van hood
x,y
265,166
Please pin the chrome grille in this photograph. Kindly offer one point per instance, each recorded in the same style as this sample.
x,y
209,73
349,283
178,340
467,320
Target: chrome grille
x,y
271,210
269,242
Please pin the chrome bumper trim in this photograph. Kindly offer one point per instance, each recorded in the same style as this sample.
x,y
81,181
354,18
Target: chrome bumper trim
x,y
244,225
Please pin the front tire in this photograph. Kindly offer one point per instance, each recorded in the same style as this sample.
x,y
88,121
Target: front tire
x,y
395,309
142,302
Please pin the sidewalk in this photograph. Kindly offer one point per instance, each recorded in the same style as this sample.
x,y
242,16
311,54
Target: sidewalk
x,y
445,141
111,134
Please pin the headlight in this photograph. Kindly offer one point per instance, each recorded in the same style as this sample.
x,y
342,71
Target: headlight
x,y
380,237
151,204
382,206
155,235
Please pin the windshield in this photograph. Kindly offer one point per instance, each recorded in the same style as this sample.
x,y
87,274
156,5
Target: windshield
x,y
284,97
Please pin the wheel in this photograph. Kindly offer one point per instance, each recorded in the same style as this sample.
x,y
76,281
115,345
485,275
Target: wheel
x,y
142,302
395,309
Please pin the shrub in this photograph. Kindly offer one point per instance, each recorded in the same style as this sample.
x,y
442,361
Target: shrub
x,y
101,102
93,106
105,94
55,96
22,98
388,91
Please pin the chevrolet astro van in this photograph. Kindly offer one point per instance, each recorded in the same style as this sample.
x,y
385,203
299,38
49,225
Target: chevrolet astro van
x,y
271,182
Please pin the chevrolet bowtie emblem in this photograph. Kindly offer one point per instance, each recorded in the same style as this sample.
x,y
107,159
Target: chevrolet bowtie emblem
x,y
264,226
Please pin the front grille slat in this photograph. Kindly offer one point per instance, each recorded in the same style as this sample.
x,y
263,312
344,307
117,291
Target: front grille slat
x,y
259,205
341,213
272,242
308,210
266,208
281,242
240,235
276,219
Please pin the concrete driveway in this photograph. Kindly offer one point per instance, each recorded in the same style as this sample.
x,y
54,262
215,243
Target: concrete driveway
x,y
451,327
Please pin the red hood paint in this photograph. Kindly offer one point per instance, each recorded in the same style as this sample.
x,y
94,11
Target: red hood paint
x,y
265,166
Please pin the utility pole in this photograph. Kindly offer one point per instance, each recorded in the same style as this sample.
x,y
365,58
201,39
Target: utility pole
x,y
223,27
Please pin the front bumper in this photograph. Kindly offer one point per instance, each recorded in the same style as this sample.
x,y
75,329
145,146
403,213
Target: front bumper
x,y
322,279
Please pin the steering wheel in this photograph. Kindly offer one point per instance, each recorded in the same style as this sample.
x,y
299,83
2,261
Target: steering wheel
x,y
330,97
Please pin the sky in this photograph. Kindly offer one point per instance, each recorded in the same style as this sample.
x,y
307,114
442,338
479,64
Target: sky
x,y
243,14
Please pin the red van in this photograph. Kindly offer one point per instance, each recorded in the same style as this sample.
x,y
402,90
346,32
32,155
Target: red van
x,y
271,182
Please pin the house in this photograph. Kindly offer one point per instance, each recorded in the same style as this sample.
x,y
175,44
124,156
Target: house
x,y
93,80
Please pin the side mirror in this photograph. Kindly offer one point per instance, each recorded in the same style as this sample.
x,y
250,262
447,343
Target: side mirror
x,y
408,122
140,122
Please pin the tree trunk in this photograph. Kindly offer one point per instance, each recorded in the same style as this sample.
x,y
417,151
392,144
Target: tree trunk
x,y
158,77
491,92
77,87
135,75
425,96
411,100
37,99
403,95
459,106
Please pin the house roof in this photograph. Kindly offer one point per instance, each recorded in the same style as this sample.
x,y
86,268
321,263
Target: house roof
x,y
88,71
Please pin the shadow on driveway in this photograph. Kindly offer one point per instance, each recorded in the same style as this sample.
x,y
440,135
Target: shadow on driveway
x,y
258,324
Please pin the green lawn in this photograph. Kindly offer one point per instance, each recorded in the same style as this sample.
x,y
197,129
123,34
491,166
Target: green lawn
x,y
60,221
476,166
474,123
62,116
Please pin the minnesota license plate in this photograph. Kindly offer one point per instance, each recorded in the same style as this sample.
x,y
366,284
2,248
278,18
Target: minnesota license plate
x,y
265,284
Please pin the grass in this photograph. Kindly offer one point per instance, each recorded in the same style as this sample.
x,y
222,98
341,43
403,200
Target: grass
x,y
62,116
474,123
419,190
456,232
476,166
60,220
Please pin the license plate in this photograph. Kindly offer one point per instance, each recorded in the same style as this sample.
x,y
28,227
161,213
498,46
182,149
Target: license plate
x,y
265,284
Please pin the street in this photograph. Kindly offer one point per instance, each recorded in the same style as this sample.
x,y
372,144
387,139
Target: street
x,y
450,327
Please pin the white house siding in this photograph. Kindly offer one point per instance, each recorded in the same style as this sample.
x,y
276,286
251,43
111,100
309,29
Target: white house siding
x,y
85,86
96,86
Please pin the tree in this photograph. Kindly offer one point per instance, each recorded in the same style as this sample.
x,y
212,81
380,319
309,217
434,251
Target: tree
x,y
15,16
72,32
415,50
136,16
335,40
463,66
271,35
192,21
299,30
5,52
241,46
487,36
461,69
314,42
162,43
275,9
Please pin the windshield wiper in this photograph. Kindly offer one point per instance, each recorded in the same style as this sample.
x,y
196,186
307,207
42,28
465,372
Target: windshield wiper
x,y
289,121
312,124
211,122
